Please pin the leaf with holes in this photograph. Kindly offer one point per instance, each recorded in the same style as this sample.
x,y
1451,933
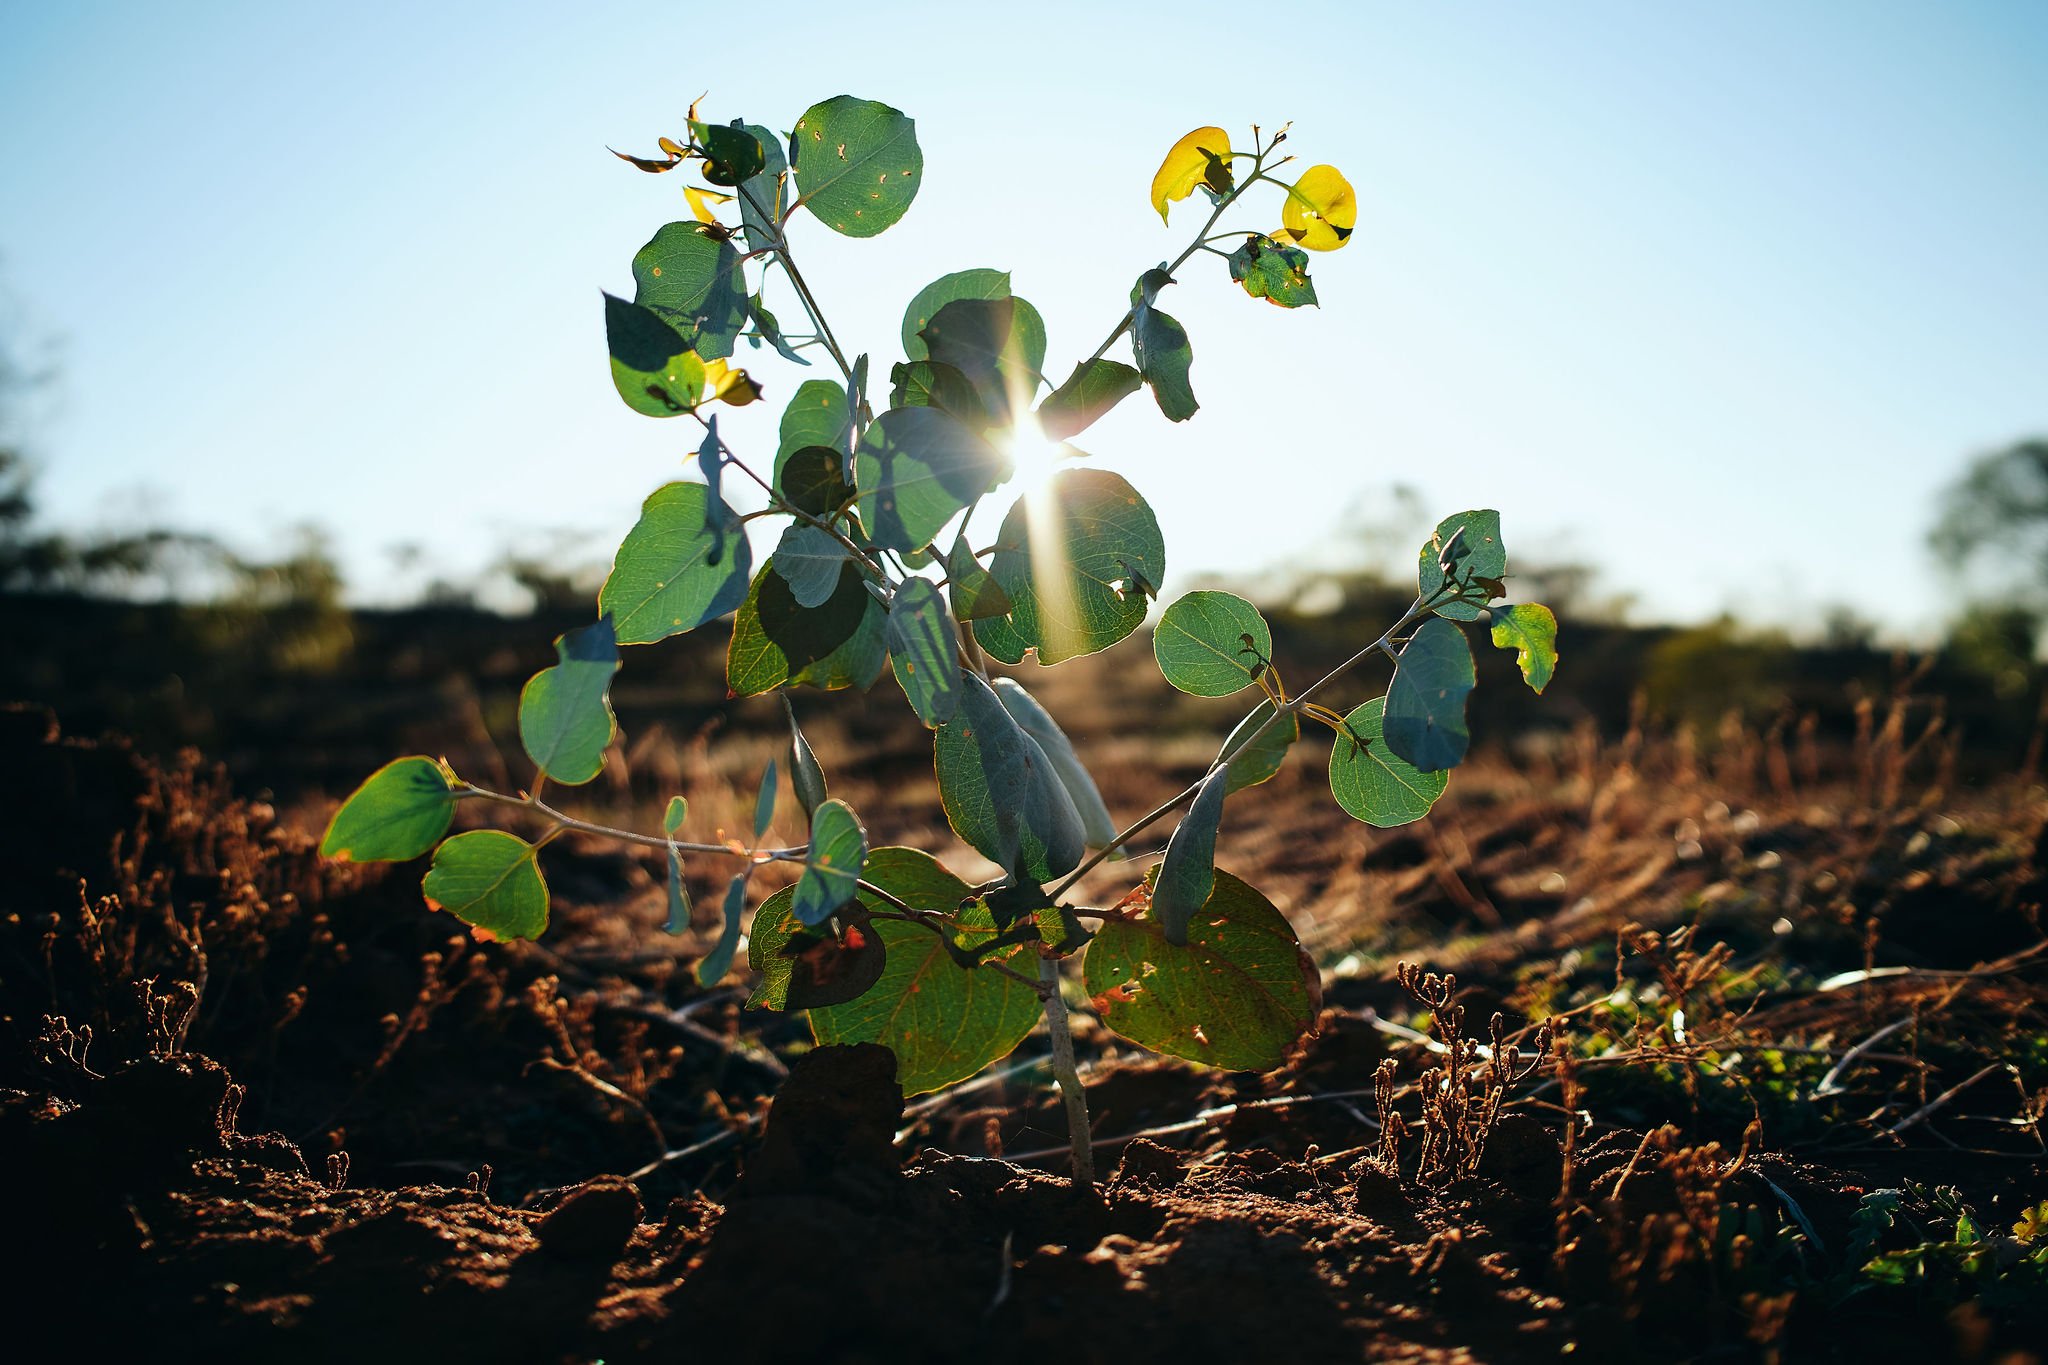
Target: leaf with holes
x,y
1530,630
491,881
399,812
1373,783
916,468
1259,746
776,642
924,650
684,562
1212,644
1096,826
943,1021
1425,714
1274,272
691,278
1079,560
653,367
1187,873
1000,791
565,712
857,164
1238,996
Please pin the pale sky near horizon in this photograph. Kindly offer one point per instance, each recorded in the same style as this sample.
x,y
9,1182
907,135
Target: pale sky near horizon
x,y
1712,296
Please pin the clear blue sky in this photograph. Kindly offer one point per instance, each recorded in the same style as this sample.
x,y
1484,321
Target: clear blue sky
x,y
1713,295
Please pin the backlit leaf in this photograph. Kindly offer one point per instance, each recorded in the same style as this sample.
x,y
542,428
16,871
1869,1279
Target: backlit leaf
x,y
997,344
777,642
974,591
713,966
692,279
916,468
1187,873
684,562
1370,781
1091,391
1079,560
928,384
565,712
1259,745
653,367
857,164
1028,329
805,968
811,480
672,818
732,155
1425,713
678,894
943,1021
399,812
1238,996
924,650
764,199
1160,346
832,868
1274,272
764,801
1001,793
1186,166
490,880
1320,210
1530,630
1212,644
1477,554
804,773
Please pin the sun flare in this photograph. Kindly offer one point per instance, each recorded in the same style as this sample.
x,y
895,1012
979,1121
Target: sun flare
x,y
1034,458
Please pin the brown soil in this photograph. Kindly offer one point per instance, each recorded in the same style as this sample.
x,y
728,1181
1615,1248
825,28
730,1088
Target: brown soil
x,y
254,1107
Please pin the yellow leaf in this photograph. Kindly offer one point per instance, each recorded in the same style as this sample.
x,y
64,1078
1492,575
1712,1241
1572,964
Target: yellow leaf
x,y
1186,165
727,385
1320,210
701,202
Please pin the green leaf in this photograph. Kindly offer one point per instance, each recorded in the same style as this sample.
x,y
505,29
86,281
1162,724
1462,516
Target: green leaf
x,y
804,773
767,328
916,468
973,589
684,562
672,819
857,164
1079,559
713,966
928,384
1160,346
776,642
810,562
812,480
1000,640
1477,554
490,880
924,649
986,341
1000,791
692,280
816,416
565,712
1371,782
1096,826
961,284
832,869
764,802
1256,750
803,968
1268,270
1530,630
399,812
1089,393
678,895
1188,871
1238,996
653,367
1212,644
1425,715
944,1022
769,190
733,155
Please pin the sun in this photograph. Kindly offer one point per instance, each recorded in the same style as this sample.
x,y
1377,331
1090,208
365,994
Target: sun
x,y
1033,457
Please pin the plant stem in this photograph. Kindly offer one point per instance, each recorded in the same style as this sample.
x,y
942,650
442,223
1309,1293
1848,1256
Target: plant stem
x,y
1067,1072
803,290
